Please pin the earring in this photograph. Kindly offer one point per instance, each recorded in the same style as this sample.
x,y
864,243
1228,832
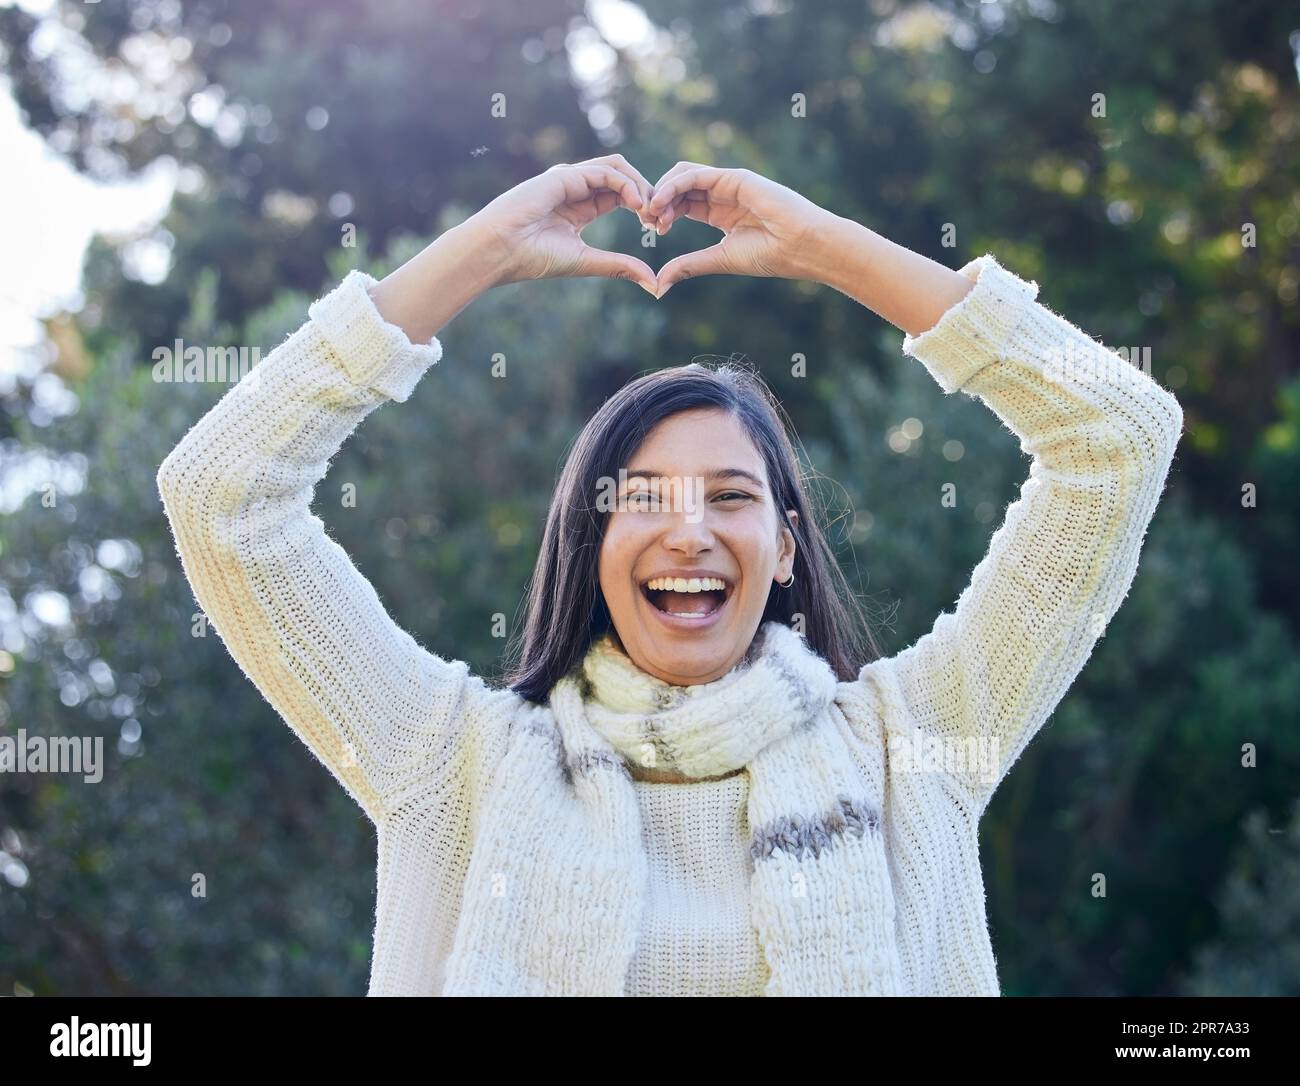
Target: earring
x,y
787,584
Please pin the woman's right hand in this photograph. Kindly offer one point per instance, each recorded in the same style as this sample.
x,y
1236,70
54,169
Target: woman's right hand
x,y
534,229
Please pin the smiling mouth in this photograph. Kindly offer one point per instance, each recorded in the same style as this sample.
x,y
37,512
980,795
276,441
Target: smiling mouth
x,y
698,604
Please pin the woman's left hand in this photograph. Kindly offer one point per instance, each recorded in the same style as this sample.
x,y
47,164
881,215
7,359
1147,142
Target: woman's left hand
x,y
770,230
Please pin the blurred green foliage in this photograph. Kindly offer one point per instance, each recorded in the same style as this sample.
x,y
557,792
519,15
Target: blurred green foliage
x,y
982,116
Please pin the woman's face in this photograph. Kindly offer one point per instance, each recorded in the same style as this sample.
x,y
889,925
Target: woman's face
x,y
685,509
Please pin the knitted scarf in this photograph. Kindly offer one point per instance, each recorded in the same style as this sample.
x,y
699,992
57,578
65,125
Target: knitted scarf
x,y
553,893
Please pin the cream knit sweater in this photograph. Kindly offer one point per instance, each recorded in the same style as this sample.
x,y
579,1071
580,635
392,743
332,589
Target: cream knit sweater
x,y
414,738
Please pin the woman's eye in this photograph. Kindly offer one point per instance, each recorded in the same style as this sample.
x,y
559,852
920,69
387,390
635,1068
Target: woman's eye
x,y
646,499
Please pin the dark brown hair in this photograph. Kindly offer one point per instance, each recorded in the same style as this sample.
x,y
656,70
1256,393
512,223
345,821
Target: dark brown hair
x,y
565,608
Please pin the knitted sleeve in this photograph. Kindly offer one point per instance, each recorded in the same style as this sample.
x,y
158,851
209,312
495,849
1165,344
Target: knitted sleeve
x,y
297,616
1101,434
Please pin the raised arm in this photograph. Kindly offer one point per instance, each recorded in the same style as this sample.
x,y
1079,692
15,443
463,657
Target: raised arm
x,y
297,616
386,716
1101,435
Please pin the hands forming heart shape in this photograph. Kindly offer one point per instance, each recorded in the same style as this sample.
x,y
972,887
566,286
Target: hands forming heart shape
x,y
535,229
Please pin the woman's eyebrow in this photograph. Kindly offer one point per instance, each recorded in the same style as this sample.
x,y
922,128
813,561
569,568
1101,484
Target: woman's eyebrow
x,y
717,473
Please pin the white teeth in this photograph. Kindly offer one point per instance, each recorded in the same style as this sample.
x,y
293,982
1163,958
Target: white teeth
x,y
682,584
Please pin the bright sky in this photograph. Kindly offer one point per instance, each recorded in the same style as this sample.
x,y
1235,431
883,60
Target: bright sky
x,y
51,212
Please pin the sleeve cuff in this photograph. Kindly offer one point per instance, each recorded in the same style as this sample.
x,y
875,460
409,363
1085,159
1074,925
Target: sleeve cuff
x,y
975,330
374,353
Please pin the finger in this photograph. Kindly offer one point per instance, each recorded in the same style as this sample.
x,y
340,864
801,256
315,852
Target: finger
x,y
703,179
665,218
681,167
668,175
688,206
584,182
618,162
710,261
690,177
642,185
606,201
603,203
607,265
650,218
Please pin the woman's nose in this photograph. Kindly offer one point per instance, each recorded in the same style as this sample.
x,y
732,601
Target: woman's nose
x,y
688,530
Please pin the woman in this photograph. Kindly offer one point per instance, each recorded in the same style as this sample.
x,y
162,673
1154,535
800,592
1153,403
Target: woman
x,y
697,780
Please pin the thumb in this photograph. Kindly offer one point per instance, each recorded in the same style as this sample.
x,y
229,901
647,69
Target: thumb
x,y
615,266
687,266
